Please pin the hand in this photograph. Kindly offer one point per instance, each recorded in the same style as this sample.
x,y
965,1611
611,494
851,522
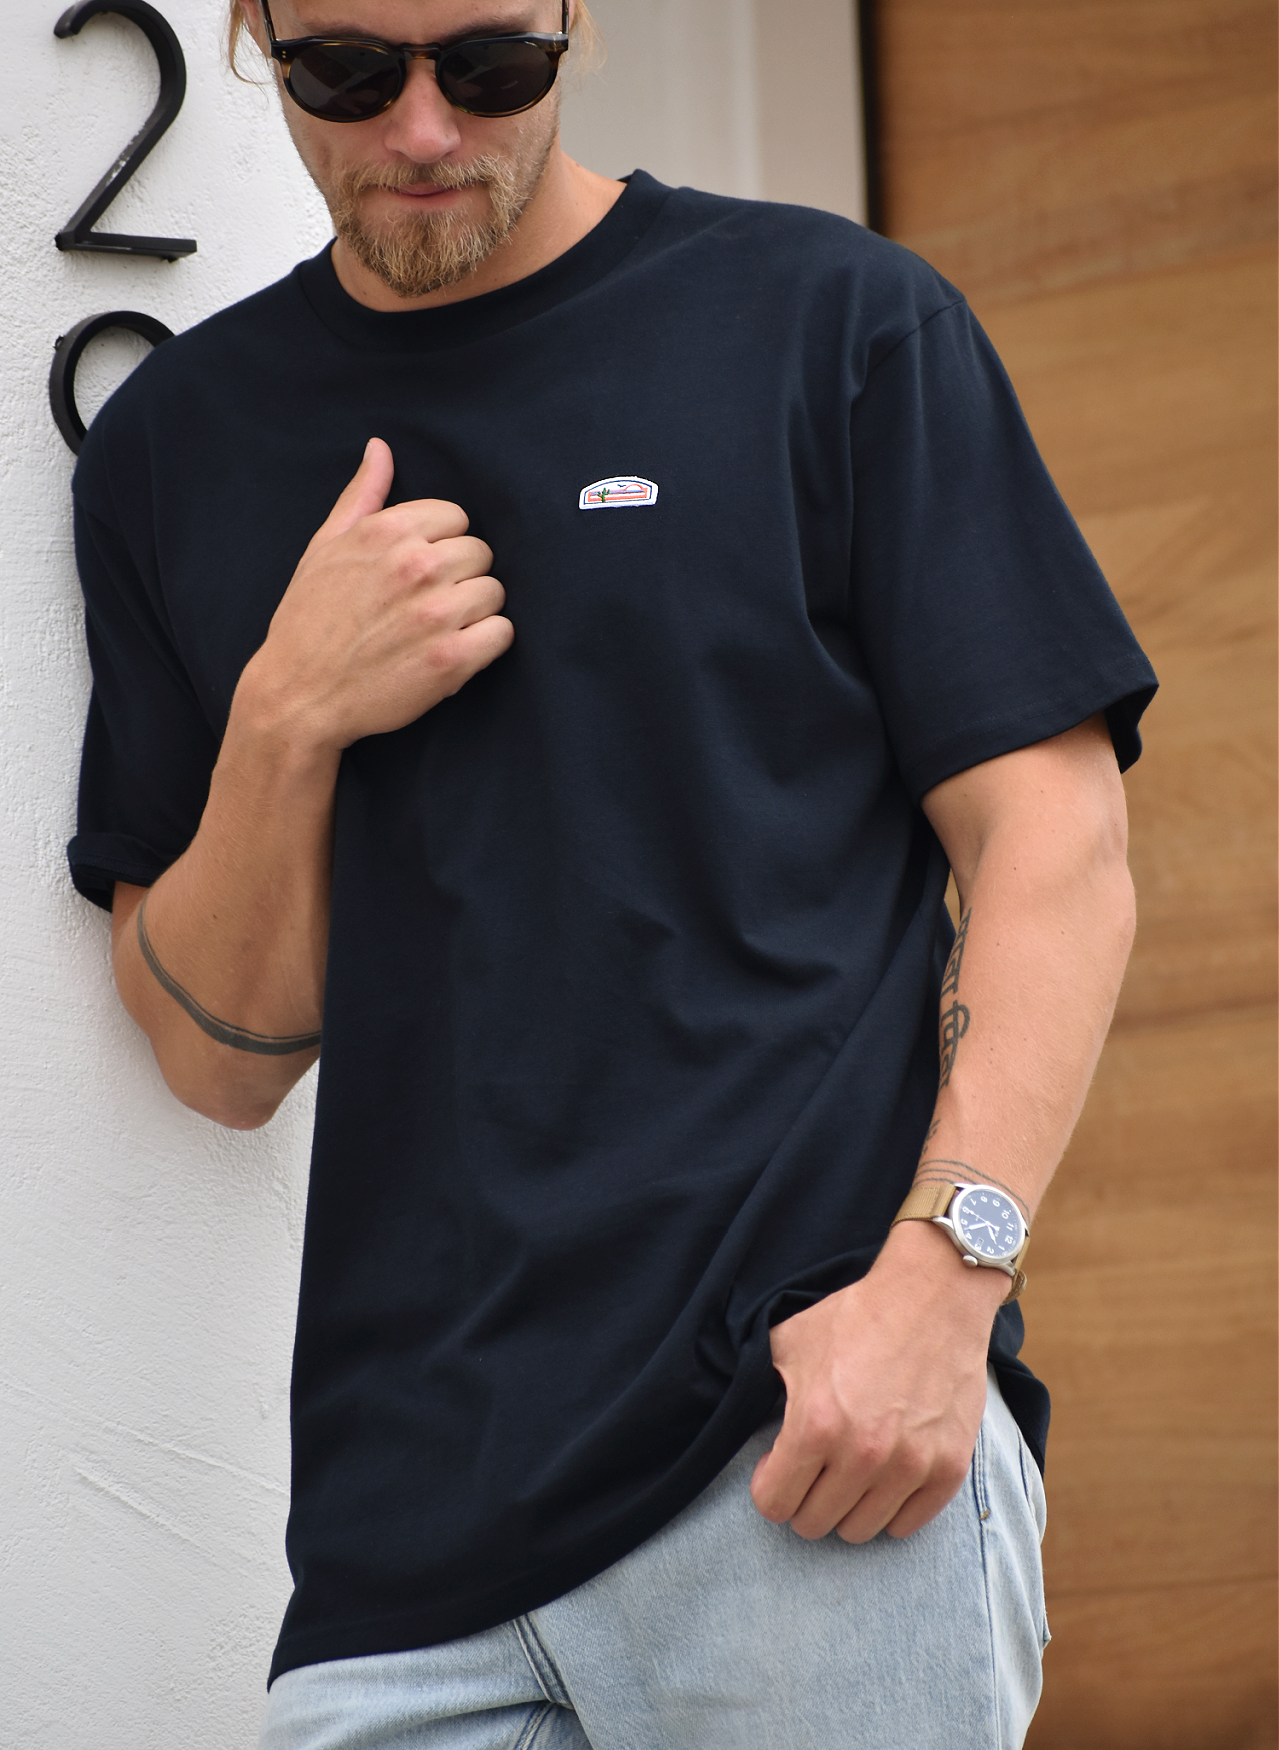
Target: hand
x,y
388,612
885,1392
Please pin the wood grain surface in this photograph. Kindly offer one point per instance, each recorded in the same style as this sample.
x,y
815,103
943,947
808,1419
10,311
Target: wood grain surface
x,y
1098,178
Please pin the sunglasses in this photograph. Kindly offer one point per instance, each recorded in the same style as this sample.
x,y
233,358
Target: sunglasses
x,y
352,79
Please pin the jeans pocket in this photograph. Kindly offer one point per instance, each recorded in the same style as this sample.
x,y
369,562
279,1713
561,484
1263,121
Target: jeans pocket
x,y
1037,1500
1033,1484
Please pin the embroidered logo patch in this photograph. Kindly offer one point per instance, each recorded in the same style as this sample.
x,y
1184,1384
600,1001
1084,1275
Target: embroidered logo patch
x,y
619,493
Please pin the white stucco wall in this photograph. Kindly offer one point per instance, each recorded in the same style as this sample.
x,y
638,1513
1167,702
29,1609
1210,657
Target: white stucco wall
x,y
148,1260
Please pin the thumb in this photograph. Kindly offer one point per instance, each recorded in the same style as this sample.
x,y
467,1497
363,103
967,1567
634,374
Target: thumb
x,y
366,492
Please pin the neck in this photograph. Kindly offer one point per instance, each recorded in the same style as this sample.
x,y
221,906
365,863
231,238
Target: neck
x,y
569,201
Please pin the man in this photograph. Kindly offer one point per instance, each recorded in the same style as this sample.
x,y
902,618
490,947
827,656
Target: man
x,y
615,890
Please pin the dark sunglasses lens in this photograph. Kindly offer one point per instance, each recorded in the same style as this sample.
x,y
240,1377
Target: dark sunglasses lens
x,y
345,82
495,78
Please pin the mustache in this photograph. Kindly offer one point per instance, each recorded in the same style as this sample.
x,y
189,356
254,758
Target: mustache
x,y
480,172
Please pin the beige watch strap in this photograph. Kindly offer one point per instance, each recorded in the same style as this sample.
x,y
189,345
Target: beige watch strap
x,y
927,1201
1019,1275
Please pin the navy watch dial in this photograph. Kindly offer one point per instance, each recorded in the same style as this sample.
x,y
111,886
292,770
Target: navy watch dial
x,y
989,1224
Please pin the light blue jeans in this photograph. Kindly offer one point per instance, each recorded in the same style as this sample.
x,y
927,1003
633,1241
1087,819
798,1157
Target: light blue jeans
x,y
724,1632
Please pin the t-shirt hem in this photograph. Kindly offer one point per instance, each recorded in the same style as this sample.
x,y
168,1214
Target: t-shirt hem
x,y
407,1631
433,1624
1123,700
97,863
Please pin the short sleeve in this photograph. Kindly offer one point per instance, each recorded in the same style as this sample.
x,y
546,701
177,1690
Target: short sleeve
x,y
149,750
984,620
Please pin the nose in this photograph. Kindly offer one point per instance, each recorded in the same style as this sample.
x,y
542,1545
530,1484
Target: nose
x,y
422,124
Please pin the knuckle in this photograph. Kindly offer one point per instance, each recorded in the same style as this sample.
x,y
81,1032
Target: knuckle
x,y
873,1452
822,1425
951,1472
431,615
442,655
405,564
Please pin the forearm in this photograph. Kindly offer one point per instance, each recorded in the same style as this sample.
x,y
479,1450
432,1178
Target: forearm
x,y
1029,999
222,961
1046,925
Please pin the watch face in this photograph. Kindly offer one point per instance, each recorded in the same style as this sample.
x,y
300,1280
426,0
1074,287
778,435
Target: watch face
x,y
989,1224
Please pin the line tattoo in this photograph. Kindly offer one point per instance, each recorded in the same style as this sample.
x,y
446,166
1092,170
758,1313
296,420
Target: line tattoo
x,y
955,1019
923,1178
238,1038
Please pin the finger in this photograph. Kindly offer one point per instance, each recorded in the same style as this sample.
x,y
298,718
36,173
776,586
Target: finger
x,y
428,519
783,1478
365,494
876,1509
456,558
921,1507
483,642
837,1496
480,598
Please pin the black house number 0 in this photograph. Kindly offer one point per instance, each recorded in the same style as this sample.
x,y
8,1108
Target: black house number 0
x,y
78,232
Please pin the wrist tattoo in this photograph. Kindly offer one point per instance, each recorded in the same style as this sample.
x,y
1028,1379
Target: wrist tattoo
x,y
970,1176
238,1038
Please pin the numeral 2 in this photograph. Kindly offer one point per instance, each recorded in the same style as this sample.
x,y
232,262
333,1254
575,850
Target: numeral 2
x,y
77,233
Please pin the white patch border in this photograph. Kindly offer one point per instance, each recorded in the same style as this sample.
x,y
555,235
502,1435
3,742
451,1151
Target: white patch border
x,y
620,503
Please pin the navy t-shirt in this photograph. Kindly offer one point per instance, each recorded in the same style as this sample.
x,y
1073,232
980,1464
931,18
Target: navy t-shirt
x,y
630,1033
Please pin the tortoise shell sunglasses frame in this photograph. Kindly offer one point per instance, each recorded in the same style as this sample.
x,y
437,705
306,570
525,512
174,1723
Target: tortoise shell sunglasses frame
x,y
353,79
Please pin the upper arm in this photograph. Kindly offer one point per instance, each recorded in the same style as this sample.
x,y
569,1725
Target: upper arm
x,y
1058,803
126,899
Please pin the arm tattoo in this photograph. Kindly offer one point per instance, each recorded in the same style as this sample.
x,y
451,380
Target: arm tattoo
x,y
923,1178
950,983
238,1038
955,1019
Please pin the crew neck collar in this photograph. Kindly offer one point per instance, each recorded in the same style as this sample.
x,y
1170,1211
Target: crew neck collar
x,y
448,325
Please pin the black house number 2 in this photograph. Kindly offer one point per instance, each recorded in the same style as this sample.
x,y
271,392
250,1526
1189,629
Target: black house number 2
x,y
78,232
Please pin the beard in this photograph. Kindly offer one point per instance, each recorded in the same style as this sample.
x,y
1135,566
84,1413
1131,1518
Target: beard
x,y
419,253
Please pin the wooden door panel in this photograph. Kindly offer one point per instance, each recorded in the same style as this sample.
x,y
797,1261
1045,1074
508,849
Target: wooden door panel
x,y
1098,178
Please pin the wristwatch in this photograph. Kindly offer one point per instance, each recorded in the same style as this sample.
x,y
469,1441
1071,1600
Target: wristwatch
x,y
986,1225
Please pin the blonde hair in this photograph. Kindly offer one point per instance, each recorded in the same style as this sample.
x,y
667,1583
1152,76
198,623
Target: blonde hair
x,y
583,26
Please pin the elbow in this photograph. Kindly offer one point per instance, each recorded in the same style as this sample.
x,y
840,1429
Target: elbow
x,y
236,1095
233,1115
234,1108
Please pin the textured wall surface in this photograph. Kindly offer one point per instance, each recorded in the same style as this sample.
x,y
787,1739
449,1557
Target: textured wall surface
x,y
149,1260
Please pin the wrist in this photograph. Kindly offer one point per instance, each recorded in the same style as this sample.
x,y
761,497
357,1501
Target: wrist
x,y
924,1254
268,716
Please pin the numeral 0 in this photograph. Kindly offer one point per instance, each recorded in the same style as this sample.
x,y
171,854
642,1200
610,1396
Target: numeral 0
x,y
66,356
77,233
